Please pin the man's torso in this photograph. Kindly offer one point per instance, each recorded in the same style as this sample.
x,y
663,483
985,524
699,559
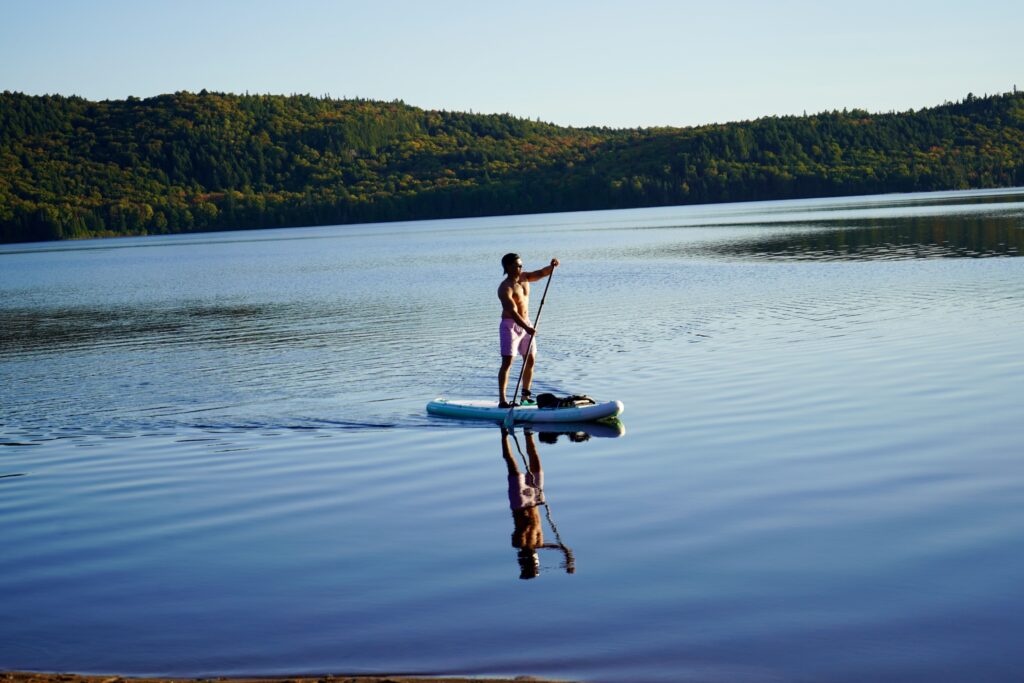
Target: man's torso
x,y
519,292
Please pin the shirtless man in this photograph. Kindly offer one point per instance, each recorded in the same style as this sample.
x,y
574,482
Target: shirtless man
x,y
515,332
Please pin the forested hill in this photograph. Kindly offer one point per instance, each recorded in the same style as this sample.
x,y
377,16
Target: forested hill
x,y
185,162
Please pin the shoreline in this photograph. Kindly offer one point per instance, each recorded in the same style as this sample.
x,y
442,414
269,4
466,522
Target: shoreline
x,y
54,677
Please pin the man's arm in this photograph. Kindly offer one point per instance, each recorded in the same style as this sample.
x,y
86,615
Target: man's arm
x,y
544,272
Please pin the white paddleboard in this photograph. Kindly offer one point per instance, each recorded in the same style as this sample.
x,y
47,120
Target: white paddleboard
x,y
488,410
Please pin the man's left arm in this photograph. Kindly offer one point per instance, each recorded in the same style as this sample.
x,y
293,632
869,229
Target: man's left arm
x,y
544,272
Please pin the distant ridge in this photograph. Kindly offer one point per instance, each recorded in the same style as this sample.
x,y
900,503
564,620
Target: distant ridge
x,y
72,168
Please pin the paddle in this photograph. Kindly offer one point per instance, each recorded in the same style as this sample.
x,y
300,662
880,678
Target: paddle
x,y
536,321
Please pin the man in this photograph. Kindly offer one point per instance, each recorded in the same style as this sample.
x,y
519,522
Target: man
x,y
515,332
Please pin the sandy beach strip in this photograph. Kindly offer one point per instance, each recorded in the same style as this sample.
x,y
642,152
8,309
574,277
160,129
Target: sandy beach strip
x,y
32,677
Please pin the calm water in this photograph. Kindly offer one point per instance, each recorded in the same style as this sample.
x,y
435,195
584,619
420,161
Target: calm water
x,y
216,460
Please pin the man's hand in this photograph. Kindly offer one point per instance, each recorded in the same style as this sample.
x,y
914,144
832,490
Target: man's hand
x,y
554,263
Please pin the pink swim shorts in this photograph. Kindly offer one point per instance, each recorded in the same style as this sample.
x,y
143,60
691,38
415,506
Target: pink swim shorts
x,y
514,339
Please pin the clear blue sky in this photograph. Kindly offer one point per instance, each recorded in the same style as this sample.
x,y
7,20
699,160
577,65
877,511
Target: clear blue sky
x,y
620,64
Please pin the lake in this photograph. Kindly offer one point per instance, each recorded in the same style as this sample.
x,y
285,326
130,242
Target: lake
x,y
216,460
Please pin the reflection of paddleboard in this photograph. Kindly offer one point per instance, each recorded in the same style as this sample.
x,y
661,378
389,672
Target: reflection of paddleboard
x,y
609,427
489,410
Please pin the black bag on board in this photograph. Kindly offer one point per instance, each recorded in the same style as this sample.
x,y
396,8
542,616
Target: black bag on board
x,y
552,401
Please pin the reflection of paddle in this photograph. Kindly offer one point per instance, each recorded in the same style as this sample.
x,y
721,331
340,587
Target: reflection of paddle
x,y
536,321
569,565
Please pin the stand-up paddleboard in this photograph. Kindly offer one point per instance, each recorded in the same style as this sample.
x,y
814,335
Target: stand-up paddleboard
x,y
489,410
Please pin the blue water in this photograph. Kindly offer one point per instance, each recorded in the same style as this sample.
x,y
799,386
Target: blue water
x,y
216,459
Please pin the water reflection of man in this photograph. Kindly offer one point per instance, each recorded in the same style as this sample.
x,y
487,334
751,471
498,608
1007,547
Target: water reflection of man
x,y
525,495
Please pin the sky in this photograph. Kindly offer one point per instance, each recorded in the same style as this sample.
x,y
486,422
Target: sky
x,y
621,64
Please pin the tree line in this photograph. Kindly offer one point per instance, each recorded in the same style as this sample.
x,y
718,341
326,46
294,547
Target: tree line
x,y
183,162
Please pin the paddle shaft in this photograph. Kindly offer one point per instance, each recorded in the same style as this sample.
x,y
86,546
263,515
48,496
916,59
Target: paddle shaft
x,y
536,322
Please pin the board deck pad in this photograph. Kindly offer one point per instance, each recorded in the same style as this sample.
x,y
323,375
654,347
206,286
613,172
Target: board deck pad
x,y
473,409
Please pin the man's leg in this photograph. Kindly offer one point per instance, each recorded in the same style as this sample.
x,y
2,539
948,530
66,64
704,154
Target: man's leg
x,y
527,374
506,363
